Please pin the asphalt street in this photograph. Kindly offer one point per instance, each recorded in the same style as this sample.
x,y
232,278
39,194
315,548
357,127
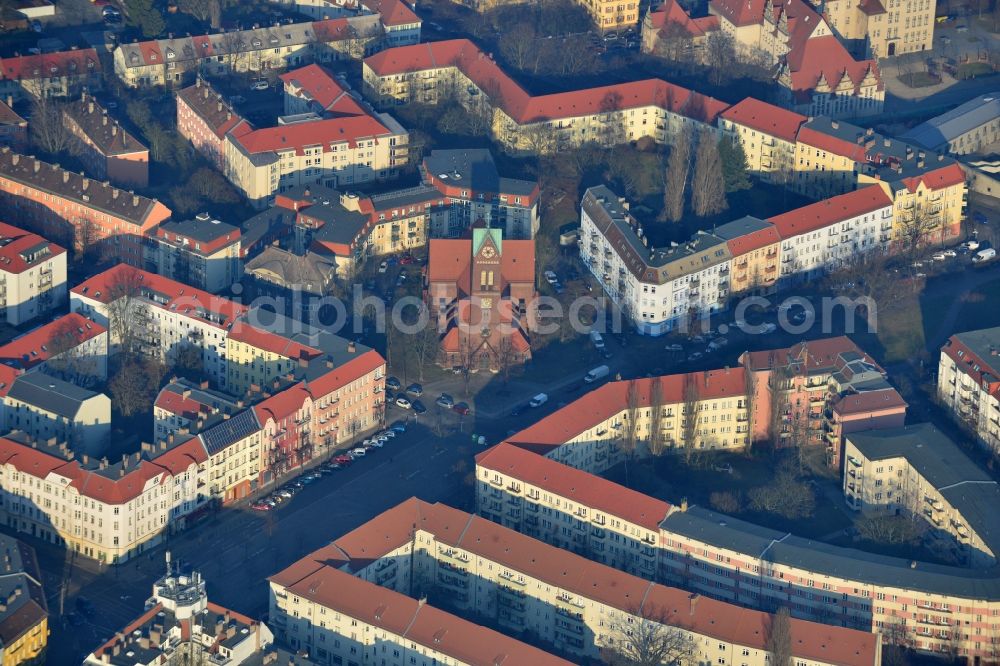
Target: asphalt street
x,y
239,548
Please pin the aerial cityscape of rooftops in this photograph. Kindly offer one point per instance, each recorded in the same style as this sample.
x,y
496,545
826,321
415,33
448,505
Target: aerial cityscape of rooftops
x,y
499,332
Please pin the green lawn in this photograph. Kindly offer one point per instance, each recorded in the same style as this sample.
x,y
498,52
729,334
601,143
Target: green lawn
x,y
901,329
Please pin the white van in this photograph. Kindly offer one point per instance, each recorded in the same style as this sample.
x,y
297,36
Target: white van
x,y
596,338
538,400
599,372
984,255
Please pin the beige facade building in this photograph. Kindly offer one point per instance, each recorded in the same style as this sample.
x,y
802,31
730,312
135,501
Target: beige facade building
x,y
969,383
177,61
884,27
45,407
109,152
572,606
523,123
32,275
972,127
920,473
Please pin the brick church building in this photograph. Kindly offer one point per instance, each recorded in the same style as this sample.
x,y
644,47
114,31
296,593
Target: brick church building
x,y
480,293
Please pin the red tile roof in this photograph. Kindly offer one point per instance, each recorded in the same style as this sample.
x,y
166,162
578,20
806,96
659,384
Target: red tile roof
x,y
281,405
753,240
77,62
324,89
449,260
576,485
412,620
605,401
32,348
524,108
17,242
831,211
831,144
739,12
243,332
821,354
765,118
344,374
561,569
826,58
671,13
937,179
393,12
869,401
323,133
180,297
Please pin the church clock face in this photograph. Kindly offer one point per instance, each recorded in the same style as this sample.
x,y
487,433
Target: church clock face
x,y
486,303
489,252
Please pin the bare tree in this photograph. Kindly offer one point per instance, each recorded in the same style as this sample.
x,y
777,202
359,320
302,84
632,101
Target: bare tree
x,y
506,357
132,387
48,125
689,424
675,44
676,177
778,394
66,358
779,638
649,640
914,231
128,314
629,435
656,443
708,185
750,402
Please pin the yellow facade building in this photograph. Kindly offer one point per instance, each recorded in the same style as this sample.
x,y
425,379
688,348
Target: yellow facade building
x,y
24,618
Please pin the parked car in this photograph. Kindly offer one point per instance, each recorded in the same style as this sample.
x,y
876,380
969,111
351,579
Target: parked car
x,y
415,389
259,84
695,356
599,372
538,400
674,348
984,256
399,428
551,277
939,256
374,444
403,402
358,452
383,267
970,245
343,459
418,407
461,408
392,383
950,253
597,340
445,400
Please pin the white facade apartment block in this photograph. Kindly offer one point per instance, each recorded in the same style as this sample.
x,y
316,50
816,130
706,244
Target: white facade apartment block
x,y
30,293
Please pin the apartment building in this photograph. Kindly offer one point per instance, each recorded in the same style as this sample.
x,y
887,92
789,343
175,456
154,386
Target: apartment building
x,y
234,445
799,392
572,606
169,315
694,411
71,347
931,607
522,123
204,118
183,407
108,151
816,73
400,23
176,61
884,29
180,620
755,248
820,237
969,383
24,619
549,501
92,216
480,293
919,472
858,412
13,128
46,407
60,74
347,145
612,15
669,31
32,275
108,511
203,252
768,135
657,288
968,128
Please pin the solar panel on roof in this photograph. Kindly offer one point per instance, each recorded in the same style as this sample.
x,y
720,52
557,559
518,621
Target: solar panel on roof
x,y
229,431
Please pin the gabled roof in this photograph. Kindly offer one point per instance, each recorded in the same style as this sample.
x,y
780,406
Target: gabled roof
x,y
524,108
318,133
670,13
50,394
314,83
76,62
831,211
21,250
765,118
825,59
35,346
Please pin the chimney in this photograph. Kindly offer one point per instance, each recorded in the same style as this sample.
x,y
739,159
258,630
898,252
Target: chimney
x,y
203,385
114,193
15,158
65,176
351,347
90,106
693,603
303,362
218,107
114,130
135,199
104,120
835,125
86,183
38,166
